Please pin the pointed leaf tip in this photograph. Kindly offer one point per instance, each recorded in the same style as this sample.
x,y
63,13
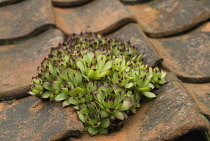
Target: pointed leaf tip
x,y
127,104
119,115
149,94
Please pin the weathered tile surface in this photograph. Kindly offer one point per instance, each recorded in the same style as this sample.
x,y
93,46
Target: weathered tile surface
x,y
172,114
24,18
31,119
201,95
18,62
187,56
101,16
162,18
131,32
69,3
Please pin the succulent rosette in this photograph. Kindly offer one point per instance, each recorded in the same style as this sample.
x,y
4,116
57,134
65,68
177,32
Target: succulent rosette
x,y
103,78
93,122
113,101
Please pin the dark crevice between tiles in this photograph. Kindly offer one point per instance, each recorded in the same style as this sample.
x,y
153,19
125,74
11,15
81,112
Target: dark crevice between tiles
x,y
157,64
17,93
74,134
9,2
70,4
196,135
207,116
120,24
133,2
192,80
34,33
162,67
9,102
190,30
11,99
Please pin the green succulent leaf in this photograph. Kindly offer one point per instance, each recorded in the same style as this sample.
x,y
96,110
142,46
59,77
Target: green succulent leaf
x,y
66,103
104,114
163,74
81,67
36,81
82,100
146,89
119,115
76,107
127,104
51,69
78,79
107,66
92,131
47,94
101,59
65,91
33,93
75,91
82,117
130,85
88,58
56,84
103,131
96,123
162,82
111,110
86,127
36,90
149,94
71,100
61,97
133,110
47,86
104,73
94,74
105,122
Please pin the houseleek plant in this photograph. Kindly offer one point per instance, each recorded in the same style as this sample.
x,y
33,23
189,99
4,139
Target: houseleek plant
x,y
104,79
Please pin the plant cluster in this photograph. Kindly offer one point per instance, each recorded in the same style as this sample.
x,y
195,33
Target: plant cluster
x,y
103,78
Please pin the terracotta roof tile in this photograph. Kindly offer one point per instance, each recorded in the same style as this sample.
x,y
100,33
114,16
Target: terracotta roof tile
x,y
33,119
19,62
186,55
164,18
25,18
201,95
101,16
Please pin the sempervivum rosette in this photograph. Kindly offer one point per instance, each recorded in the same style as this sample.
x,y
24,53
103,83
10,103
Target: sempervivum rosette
x,y
103,78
